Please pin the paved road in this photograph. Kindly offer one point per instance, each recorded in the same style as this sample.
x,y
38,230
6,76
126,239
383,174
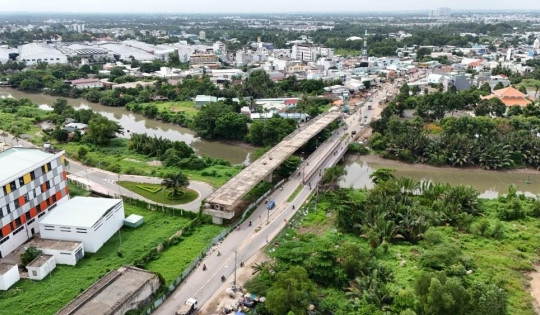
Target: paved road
x,y
105,182
247,241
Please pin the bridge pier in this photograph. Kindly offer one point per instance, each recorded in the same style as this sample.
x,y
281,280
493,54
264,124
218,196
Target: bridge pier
x,y
268,178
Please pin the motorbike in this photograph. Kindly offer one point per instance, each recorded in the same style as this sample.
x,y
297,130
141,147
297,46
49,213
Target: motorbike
x,y
249,223
222,278
204,267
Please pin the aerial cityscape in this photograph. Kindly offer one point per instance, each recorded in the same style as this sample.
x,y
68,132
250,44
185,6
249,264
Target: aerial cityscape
x,y
278,158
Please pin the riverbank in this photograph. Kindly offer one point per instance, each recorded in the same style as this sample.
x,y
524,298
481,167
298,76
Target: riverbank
x,y
376,159
137,123
489,183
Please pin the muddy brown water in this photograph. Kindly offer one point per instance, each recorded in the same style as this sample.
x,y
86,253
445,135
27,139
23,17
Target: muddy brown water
x,y
488,183
136,123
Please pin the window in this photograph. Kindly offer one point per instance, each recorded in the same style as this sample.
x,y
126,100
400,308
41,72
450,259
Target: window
x,y
18,230
43,169
8,207
21,181
26,199
38,207
49,166
48,185
13,186
28,217
54,198
41,214
17,222
5,190
32,175
31,221
34,273
16,202
4,240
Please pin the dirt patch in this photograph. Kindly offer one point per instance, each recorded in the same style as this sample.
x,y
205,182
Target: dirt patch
x,y
535,288
154,163
132,160
221,300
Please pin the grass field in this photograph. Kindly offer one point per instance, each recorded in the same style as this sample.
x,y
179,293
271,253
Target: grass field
x,y
187,107
347,52
66,282
502,261
117,158
176,258
161,194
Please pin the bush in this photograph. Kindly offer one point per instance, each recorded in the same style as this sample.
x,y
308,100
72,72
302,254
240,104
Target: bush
x,y
30,254
358,148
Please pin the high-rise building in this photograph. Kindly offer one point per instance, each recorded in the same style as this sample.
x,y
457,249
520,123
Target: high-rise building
x,y
32,183
202,35
440,12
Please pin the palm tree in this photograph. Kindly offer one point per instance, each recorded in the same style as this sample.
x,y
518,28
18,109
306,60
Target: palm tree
x,y
176,181
332,176
382,175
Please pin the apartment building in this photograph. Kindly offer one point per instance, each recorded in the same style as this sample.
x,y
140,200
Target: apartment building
x,y
32,183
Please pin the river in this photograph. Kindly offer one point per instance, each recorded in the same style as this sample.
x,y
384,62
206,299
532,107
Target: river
x,y
488,183
136,123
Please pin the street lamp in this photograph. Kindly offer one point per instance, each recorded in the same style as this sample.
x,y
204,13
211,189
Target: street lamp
x,y
235,253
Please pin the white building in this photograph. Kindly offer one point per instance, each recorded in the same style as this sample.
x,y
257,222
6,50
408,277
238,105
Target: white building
x,y
34,53
40,267
202,35
87,83
303,53
89,220
64,252
9,275
4,54
219,47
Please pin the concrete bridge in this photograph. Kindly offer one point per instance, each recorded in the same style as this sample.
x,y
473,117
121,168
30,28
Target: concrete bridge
x,y
224,202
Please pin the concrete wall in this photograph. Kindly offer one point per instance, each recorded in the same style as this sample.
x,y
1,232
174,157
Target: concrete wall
x,y
9,278
94,237
63,257
139,299
38,273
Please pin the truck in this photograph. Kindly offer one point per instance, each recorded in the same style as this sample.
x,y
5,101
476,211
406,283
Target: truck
x,y
188,308
271,205
369,107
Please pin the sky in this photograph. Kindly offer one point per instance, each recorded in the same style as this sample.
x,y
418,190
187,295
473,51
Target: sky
x,y
256,6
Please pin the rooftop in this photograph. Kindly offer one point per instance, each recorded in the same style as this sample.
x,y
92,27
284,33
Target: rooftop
x,y
20,160
54,244
79,211
5,268
39,261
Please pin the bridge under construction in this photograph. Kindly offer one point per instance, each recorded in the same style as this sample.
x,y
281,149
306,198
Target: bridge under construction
x,y
224,202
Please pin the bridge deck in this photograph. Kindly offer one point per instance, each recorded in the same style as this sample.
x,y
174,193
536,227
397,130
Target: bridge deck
x,y
232,192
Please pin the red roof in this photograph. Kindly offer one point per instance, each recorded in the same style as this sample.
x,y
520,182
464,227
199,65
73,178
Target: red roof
x,y
291,102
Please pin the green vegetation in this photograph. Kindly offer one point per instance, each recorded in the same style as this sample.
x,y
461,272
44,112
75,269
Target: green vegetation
x,y
75,190
175,259
295,193
157,194
66,282
348,52
30,254
439,250
490,143
181,113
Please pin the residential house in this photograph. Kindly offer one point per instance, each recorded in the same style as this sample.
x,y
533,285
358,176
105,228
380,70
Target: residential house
x,y
510,97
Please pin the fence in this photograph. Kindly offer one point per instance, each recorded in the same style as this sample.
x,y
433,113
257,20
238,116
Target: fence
x,y
178,281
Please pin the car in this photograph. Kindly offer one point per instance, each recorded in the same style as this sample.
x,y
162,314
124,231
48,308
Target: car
x,y
365,116
188,308
271,205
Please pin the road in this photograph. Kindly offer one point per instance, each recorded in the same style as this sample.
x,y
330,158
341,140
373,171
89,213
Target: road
x,y
248,240
105,182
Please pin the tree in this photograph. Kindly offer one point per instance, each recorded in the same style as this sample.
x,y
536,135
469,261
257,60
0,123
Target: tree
x,y
176,181
60,105
101,130
205,121
332,175
60,135
30,254
498,86
292,291
382,175
231,126
288,166
485,88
